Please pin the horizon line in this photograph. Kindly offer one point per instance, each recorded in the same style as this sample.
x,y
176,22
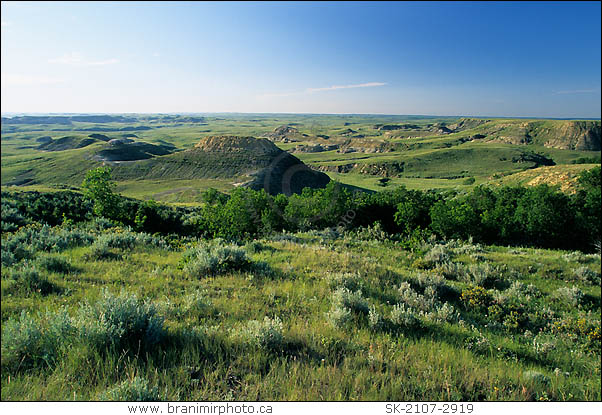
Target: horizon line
x,y
22,113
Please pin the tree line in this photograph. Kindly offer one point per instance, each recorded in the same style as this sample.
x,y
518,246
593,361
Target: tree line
x,y
539,216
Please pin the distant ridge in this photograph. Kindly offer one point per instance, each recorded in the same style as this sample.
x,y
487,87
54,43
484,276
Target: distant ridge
x,y
265,165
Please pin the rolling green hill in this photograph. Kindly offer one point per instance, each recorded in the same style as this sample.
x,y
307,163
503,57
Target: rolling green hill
x,y
359,150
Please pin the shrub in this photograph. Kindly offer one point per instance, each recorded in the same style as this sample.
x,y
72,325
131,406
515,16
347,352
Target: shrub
x,y
543,345
412,299
33,238
127,240
371,233
572,296
263,269
450,270
29,342
349,280
101,223
215,259
484,275
515,320
254,247
375,319
438,254
437,283
55,263
100,251
8,258
15,249
408,296
134,390
30,280
522,291
475,297
404,317
536,377
478,343
120,322
443,313
196,303
586,275
266,334
579,329
353,300
121,240
339,316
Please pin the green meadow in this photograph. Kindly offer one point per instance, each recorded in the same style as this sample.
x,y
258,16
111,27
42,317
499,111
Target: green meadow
x,y
422,277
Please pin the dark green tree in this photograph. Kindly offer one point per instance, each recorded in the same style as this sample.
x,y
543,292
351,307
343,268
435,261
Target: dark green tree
x,y
98,187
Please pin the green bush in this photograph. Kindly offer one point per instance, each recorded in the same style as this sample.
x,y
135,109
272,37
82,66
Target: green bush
x,y
353,300
483,275
100,251
586,275
55,263
475,297
349,280
375,320
131,390
29,279
438,255
120,322
339,316
572,296
215,259
29,342
405,317
267,334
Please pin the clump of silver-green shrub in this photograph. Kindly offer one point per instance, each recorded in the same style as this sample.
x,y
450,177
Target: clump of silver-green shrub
x,y
55,263
586,275
35,341
120,322
27,241
483,275
345,303
350,280
112,323
572,296
29,279
404,317
214,258
124,241
131,390
437,255
267,334
427,306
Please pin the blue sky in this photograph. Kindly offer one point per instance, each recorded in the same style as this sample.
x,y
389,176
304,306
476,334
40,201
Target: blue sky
x,y
455,58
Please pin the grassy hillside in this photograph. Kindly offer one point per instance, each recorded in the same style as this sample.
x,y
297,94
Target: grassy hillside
x,y
563,176
420,152
312,316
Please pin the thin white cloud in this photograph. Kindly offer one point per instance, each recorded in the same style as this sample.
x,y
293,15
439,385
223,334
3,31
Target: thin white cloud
x,y
156,54
75,59
577,91
5,23
11,79
328,88
333,87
